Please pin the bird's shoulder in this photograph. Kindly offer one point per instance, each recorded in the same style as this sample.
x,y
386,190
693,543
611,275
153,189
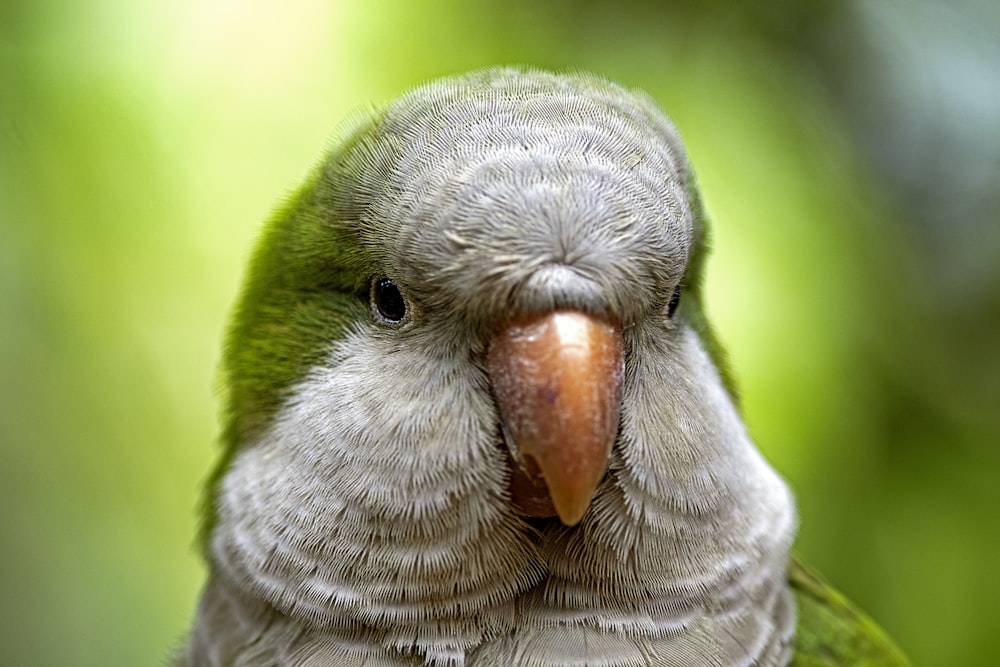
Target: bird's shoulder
x,y
831,631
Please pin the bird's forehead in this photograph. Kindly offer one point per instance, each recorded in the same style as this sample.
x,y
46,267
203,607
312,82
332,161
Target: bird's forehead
x,y
515,209
489,188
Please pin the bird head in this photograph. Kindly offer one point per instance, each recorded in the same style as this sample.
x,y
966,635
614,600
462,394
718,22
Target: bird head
x,y
524,228
483,307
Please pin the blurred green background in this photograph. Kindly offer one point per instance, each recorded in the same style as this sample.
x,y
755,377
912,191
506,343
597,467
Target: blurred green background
x,y
849,153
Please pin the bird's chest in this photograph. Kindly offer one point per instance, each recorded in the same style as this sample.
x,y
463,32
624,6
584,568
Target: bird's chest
x,y
652,632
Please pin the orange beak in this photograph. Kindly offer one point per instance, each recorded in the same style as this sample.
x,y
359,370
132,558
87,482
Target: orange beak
x,y
557,379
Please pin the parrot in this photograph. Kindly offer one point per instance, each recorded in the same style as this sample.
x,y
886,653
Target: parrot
x,y
475,413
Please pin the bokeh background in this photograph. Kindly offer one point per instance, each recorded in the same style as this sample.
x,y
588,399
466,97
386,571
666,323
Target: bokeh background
x,y
849,153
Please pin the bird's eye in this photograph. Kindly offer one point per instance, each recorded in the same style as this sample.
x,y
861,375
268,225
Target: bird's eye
x,y
675,300
388,304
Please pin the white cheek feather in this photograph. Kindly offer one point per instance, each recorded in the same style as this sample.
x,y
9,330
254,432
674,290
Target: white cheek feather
x,y
684,552
410,537
377,498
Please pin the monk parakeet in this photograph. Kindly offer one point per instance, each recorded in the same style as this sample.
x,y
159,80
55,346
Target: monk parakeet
x,y
476,415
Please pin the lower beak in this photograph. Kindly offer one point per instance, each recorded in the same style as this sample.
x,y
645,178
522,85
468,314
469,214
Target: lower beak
x,y
557,378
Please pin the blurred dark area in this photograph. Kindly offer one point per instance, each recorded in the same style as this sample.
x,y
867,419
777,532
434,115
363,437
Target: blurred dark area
x,y
848,153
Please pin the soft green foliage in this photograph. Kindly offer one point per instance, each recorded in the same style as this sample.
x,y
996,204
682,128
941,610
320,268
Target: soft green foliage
x,y
141,144
693,306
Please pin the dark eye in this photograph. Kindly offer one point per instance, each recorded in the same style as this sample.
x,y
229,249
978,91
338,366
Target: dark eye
x,y
387,301
675,300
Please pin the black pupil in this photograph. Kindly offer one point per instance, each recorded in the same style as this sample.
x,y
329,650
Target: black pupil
x,y
675,299
389,301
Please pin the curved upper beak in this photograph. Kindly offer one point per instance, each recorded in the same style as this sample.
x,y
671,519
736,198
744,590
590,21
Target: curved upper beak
x,y
557,379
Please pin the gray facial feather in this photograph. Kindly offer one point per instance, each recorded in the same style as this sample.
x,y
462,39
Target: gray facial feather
x,y
496,184
370,522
